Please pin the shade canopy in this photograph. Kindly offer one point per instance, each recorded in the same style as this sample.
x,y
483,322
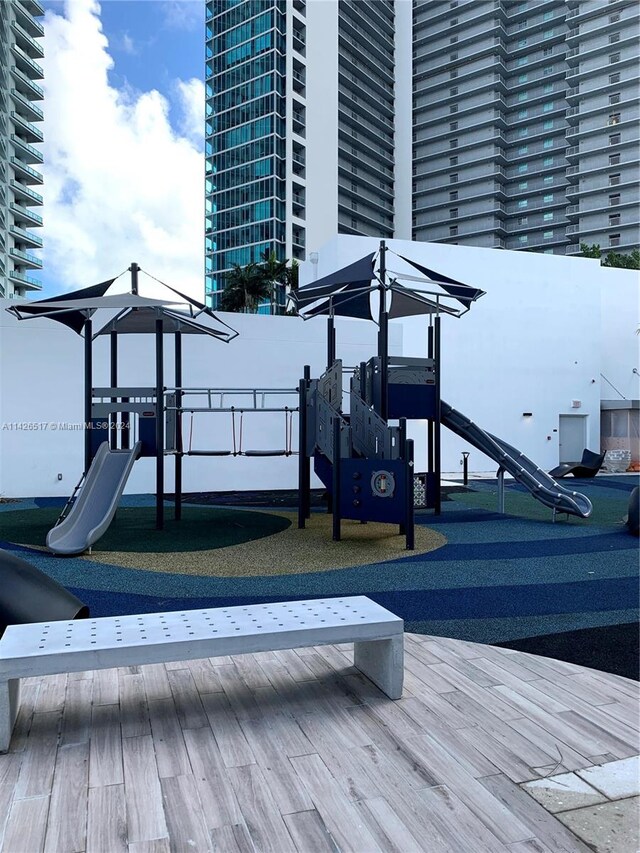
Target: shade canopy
x,y
130,312
347,292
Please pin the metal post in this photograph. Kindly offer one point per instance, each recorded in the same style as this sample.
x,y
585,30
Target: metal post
x,y
465,467
409,526
303,488
114,418
331,341
501,491
177,506
159,425
437,467
402,438
133,269
336,479
383,335
88,390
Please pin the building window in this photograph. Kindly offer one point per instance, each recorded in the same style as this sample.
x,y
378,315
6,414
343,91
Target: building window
x,y
453,161
547,16
614,98
547,180
453,91
523,113
522,78
547,235
522,239
453,125
523,167
548,88
453,57
547,143
547,106
614,219
453,73
453,213
548,124
522,60
548,198
522,96
453,195
523,220
523,149
453,22
614,118
453,39
614,239
614,78
453,108
548,34
523,24
522,203
522,43
523,185
453,143
614,180
614,159
453,179
614,199
548,217
614,139
547,70
614,38
548,51
548,161
614,57
523,131
453,231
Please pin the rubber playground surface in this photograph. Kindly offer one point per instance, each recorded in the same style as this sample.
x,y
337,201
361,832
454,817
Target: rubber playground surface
x,y
567,590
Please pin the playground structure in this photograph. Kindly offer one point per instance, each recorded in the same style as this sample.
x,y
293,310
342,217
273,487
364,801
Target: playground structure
x,y
364,461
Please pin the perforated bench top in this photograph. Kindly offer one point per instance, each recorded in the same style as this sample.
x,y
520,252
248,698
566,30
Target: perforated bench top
x,y
47,647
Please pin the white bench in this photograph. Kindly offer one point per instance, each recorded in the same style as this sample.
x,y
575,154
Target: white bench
x,y
87,644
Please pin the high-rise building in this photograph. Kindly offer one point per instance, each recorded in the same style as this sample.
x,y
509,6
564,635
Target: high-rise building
x,y
499,123
20,48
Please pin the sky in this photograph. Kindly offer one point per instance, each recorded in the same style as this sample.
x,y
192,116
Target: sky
x,y
124,142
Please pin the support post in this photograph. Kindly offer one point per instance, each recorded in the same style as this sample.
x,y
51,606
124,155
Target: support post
x,y
159,425
114,417
383,335
501,491
336,480
331,341
177,506
409,526
402,438
133,269
88,390
303,462
465,467
437,429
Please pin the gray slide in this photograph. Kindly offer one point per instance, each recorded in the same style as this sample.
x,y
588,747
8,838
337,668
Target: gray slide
x,y
543,487
95,506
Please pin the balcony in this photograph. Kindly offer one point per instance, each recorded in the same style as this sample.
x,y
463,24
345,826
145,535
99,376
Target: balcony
x,y
27,152
28,175
26,43
25,64
33,6
34,113
298,82
30,131
25,280
29,196
26,86
25,20
26,259
26,238
23,214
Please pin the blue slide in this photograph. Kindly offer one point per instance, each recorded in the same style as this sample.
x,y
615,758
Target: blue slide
x,y
93,510
543,487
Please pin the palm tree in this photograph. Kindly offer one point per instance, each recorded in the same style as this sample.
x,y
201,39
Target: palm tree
x,y
245,288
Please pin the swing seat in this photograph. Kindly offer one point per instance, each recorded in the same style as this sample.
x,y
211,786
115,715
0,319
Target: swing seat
x,y
208,453
264,453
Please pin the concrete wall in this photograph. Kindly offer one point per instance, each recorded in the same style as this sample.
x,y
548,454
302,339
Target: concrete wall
x,y
41,382
539,339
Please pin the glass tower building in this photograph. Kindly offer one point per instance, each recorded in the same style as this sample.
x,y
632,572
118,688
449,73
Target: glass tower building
x,y
20,48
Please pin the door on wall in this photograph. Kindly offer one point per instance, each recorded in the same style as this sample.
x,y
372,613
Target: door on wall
x,y
573,437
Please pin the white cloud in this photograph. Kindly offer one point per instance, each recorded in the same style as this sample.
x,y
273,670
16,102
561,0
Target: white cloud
x,y
120,184
128,45
183,14
191,99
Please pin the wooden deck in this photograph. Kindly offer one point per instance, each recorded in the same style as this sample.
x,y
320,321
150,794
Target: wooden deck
x,y
296,751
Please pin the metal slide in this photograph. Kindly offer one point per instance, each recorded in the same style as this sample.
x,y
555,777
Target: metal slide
x,y
93,510
543,487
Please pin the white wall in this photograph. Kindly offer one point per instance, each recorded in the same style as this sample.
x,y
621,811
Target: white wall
x,y
533,343
41,381
620,324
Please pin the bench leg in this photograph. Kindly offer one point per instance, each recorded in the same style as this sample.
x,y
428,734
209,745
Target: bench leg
x,y
9,702
382,661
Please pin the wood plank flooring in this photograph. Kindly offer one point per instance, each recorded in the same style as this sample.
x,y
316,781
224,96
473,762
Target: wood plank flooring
x,y
297,751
